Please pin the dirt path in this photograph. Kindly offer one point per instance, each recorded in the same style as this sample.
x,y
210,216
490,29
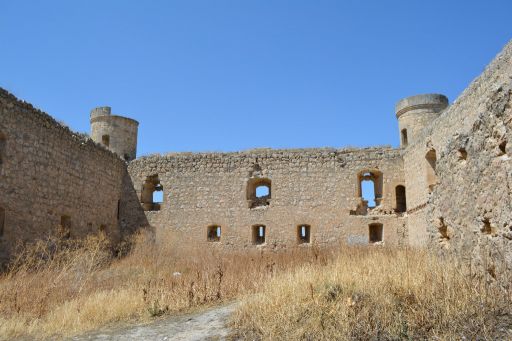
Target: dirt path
x,y
209,324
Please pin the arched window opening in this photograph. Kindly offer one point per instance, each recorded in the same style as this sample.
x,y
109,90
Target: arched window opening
x,y
403,135
2,221
259,191
431,160
105,139
375,233
258,234
370,185
262,191
214,233
401,203
158,194
152,194
2,150
368,192
304,234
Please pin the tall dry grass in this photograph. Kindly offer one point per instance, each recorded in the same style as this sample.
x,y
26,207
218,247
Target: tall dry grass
x,y
379,294
61,288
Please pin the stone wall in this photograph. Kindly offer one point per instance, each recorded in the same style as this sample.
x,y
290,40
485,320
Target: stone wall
x,y
316,187
469,210
456,170
50,176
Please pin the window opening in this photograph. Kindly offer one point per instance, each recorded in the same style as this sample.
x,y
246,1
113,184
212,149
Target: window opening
x,y
158,194
401,203
304,234
105,139
214,233
368,189
152,194
370,185
404,137
259,192
375,233
431,159
258,234
262,191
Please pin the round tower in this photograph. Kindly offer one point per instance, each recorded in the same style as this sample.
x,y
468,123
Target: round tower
x,y
117,133
416,112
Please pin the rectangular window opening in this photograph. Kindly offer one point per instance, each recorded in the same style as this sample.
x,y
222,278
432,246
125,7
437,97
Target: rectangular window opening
x,y
375,233
214,233
304,234
258,234
404,137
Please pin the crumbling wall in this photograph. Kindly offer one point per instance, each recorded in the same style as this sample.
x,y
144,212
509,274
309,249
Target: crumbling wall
x,y
50,176
468,212
314,187
471,212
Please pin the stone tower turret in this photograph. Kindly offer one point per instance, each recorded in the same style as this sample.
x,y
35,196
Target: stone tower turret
x,y
416,112
117,133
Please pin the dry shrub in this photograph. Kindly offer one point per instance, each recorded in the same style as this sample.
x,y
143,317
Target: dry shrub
x,y
62,288
378,294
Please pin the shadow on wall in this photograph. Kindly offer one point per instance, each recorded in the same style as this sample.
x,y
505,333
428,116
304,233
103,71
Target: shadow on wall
x,y
131,213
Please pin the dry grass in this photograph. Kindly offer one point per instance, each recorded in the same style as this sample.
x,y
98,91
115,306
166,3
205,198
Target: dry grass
x,y
379,294
56,288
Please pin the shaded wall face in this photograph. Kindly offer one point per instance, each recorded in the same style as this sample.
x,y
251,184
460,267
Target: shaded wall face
x,y
468,211
48,172
318,188
471,209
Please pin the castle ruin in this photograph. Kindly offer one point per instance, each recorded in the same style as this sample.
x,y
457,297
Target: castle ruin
x,y
448,185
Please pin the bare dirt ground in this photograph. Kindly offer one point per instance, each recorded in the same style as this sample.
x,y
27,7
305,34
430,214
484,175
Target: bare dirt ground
x,y
209,324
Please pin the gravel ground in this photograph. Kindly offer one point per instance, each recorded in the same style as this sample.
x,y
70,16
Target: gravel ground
x,y
209,324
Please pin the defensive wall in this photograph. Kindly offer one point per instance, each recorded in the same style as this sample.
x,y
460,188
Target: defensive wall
x,y
316,188
447,187
469,210
52,180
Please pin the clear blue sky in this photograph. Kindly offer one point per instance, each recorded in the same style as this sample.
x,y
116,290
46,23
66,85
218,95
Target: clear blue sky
x,y
229,75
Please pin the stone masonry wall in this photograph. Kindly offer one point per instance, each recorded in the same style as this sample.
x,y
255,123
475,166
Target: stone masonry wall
x,y
317,187
461,202
469,211
46,172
